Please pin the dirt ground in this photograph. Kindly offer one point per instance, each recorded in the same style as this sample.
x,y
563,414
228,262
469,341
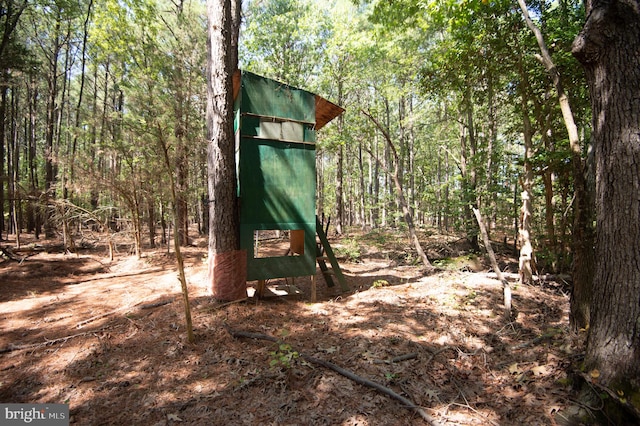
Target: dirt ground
x,y
109,339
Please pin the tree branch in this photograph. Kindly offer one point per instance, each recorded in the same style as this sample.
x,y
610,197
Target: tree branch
x,y
346,373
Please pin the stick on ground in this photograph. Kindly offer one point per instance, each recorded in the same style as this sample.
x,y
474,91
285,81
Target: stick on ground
x,y
346,373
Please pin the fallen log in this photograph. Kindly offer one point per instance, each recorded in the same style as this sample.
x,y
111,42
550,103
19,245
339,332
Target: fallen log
x,y
346,373
536,278
9,253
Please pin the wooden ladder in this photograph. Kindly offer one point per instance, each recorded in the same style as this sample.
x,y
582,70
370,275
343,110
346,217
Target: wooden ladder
x,y
324,252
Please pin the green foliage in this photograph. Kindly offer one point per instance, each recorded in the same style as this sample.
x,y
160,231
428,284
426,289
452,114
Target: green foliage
x,y
380,284
444,78
380,239
391,376
349,248
283,39
283,357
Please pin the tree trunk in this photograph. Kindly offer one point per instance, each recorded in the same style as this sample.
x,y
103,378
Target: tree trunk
x,y
582,233
468,172
227,274
412,159
14,168
362,200
182,175
526,211
506,288
339,221
609,49
151,219
445,196
492,142
375,216
176,243
50,126
33,208
83,66
399,193
10,16
3,110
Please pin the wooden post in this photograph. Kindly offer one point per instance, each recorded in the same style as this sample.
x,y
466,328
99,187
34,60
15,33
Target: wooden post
x,y
313,288
260,288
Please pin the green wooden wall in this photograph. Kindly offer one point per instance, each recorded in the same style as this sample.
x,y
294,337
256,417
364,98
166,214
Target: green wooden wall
x,y
276,177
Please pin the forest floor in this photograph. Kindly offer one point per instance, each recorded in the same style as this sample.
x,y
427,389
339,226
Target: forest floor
x,y
108,338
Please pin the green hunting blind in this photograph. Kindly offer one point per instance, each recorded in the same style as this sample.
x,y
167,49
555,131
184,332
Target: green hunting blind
x,y
275,126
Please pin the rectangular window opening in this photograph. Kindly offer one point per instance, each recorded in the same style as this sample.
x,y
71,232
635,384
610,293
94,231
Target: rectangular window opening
x,y
278,243
281,130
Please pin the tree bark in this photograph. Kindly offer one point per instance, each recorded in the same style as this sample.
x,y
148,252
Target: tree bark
x,y
609,49
224,225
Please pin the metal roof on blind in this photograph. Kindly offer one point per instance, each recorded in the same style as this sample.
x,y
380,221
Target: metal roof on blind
x,y
325,111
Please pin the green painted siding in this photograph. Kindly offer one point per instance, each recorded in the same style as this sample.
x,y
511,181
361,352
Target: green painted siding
x,y
269,98
277,178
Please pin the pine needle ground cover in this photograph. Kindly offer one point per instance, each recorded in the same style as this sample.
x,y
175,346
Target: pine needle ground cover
x,y
108,339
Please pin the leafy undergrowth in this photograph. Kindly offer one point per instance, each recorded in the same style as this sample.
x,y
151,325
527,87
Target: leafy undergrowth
x,y
109,339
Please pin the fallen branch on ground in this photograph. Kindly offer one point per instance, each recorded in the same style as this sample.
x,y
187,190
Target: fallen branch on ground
x,y
10,254
13,348
537,340
399,358
346,373
115,311
542,277
156,305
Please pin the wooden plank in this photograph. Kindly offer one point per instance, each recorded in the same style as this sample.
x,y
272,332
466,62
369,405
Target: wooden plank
x,y
296,241
332,258
325,271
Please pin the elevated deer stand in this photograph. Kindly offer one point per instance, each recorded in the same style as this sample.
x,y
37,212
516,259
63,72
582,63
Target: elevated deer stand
x,y
275,128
